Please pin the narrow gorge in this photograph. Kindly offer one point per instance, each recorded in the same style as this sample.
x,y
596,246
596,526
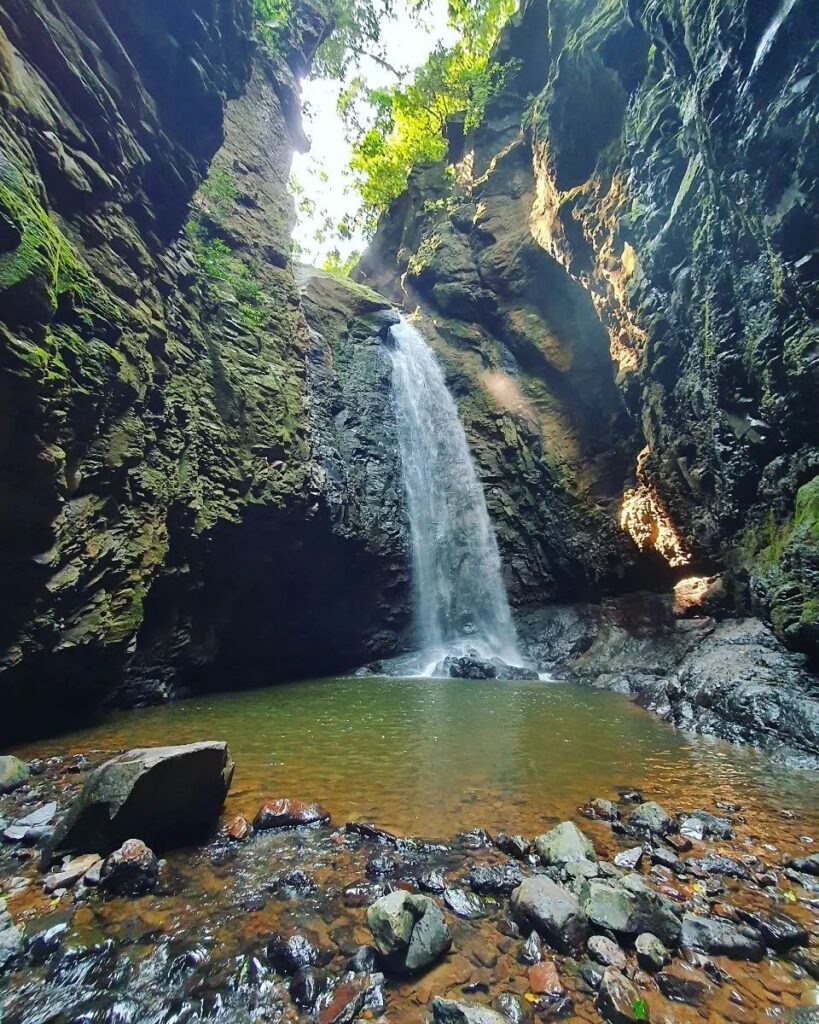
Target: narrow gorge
x,y
515,524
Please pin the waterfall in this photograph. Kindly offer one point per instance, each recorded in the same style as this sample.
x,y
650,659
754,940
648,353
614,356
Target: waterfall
x,y
461,602
769,36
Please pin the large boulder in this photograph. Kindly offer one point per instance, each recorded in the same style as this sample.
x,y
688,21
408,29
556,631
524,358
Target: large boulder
x,y
553,912
165,796
409,931
563,844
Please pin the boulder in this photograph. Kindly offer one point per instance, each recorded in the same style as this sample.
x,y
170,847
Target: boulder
x,y
651,817
285,813
721,937
563,844
600,808
467,667
409,931
630,907
552,911
13,772
618,1001
165,796
447,1011
132,870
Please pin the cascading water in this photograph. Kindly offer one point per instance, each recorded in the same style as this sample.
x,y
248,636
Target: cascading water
x,y
461,603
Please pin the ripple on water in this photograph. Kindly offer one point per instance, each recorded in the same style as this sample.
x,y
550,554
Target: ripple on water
x,y
434,756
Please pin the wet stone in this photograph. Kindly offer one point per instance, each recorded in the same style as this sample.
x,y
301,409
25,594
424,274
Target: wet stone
x,y
606,952
432,881
805,865
618,1000
629,860
132,870
651,817
365,960
721,937
808,960
448,1011
629,908
780,931
510,1006
308,985
513,846
600,809
43,944
239,828
463,903
290,954
293,884
474,839
381,866
545,981
652,955
683,990
283,812
495,879
716,864
71,872
409,931
531,950
563,844
344,1003
552,910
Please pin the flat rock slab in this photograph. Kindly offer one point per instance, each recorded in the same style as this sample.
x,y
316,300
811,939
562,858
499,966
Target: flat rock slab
x,y
165,796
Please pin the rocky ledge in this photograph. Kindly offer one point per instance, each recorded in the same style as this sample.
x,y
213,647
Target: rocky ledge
x,y
727,677
641,914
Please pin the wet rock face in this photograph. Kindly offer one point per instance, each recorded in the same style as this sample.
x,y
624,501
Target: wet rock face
x,y
637,217
174,429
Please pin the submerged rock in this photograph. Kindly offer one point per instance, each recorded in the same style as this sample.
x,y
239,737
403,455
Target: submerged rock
x,y
132,870
463,903
162,795
447,1011
283,812
409,931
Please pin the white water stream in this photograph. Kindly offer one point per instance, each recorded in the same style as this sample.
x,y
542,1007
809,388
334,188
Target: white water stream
x,y
460,600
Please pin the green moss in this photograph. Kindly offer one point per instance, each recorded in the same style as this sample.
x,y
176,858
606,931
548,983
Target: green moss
x,y
222,266
34,261
806,517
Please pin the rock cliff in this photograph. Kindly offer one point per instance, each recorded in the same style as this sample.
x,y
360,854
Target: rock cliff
x,y
622,269
185,446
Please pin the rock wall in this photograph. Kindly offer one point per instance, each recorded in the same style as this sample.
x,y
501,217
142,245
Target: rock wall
x,y
168,518
625,255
